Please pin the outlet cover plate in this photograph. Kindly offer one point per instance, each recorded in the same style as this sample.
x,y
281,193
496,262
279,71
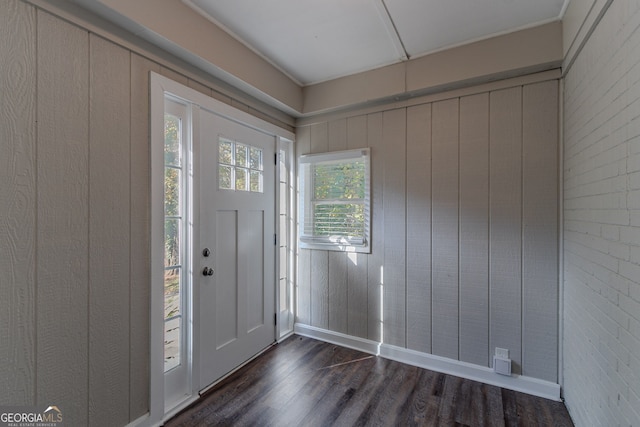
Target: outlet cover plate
x,y
502,352
501,366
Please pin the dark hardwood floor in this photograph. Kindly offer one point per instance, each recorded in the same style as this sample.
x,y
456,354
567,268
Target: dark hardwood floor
x,y
304,382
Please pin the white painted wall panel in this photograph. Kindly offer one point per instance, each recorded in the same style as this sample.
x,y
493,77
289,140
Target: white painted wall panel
x,y
63,217
17,204
394,127
474,229
505,223
319,259
419,165
540,220
444,231
357,263
109,230
303,282
139,262
338,290
376,259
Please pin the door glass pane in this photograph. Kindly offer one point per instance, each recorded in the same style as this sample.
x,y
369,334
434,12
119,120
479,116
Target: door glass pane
x,y
172,147
172,178
173,286
226,152
256,181
225,177
173,318
172,242
241,179
256,159
241,155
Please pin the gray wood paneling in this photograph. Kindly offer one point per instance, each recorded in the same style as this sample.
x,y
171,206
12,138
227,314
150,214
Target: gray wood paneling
x,y
174,75
17,203
540,225
63,217
319,259
357,264
474,229
444,193
450,211
505,198
139,263
338,291
303,282
109,231
394,279
419,228
320,289
376,259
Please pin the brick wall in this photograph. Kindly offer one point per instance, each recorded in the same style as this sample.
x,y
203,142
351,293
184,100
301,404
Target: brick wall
x,y
602,224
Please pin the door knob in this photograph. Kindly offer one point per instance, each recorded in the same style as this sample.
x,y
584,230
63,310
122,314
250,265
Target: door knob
x,y
207,271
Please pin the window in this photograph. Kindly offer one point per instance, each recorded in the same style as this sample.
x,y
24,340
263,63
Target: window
x,y
175,233
239,166
335,201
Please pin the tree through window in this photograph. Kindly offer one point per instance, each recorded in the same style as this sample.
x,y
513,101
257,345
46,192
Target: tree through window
x,y
335,201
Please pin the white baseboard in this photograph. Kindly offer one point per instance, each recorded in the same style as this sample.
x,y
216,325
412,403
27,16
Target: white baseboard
x,y
343,340
521,383
485,375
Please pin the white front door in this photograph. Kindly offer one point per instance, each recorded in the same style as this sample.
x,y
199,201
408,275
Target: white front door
x,y
237,253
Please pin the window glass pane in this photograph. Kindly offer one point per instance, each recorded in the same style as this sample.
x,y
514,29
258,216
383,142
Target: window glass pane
x,y
256,181
339,181
172,338
172,285
224,177
241,155
283,294
173,319
172,191
339,220
172,242
256,159
241,179
171,140
226,151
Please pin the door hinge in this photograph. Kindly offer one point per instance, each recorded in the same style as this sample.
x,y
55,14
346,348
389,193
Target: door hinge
x,y
275,159
275,319
275,240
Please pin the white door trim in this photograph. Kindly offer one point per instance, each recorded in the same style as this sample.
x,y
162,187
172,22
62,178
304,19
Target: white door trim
x,y
159,86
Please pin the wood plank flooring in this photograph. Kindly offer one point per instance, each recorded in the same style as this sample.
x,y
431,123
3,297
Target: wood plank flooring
x,y
305,382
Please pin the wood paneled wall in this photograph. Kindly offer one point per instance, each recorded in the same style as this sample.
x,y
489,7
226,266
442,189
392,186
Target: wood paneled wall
x,y
464,230
74,217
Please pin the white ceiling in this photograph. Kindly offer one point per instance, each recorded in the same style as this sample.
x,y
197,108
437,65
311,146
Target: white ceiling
x,y
318,40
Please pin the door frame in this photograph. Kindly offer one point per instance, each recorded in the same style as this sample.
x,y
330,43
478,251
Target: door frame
x,y
159,87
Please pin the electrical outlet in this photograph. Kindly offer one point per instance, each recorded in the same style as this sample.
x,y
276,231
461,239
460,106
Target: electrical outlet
x,y
501,366
502,353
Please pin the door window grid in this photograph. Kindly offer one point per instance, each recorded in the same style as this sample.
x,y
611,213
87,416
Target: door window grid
x,y
240,166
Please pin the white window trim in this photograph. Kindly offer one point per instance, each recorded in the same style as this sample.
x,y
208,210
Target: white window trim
x,y
341,244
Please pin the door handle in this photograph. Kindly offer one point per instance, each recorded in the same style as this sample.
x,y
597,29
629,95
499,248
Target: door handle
x,y
207,271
